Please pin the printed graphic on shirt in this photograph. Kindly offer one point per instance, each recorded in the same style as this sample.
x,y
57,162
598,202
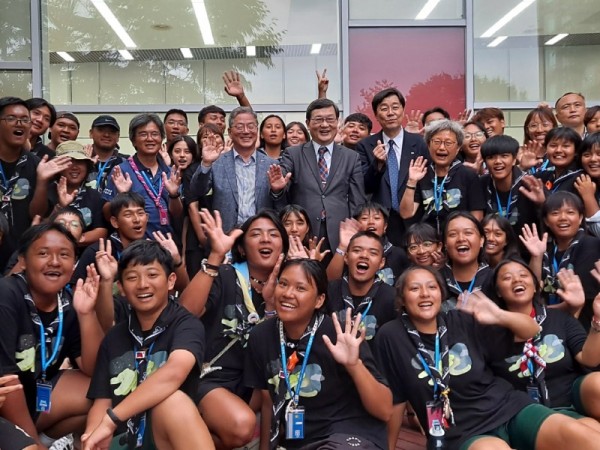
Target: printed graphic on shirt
x,y
311,383
450,199
386,275
26,351
551,350
459,359
21,190
369,321
124,375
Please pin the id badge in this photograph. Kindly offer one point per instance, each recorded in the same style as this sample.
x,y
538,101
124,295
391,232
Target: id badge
x,y
5,199
140,433
163,215
294,421
435,418
534,393
44,391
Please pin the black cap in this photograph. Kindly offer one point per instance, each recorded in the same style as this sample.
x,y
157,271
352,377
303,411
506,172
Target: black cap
x,y
102,121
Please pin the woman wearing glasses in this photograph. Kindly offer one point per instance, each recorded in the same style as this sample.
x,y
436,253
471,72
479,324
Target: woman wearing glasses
x,y
435,190
470,152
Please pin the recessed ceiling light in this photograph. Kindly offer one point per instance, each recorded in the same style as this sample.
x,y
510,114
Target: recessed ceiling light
x,y
507,18
426,10
186,52
114,23
203,22
315,49
65,56
250,50
126,55
555,39
496,42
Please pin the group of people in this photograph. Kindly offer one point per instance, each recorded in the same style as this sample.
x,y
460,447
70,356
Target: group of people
x,y
310,284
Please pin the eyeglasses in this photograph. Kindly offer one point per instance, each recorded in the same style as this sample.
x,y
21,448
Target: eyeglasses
x,y
477,134
328,120
438,143
425,245
152,134
69,223
12,120
171,123
245,126
535,126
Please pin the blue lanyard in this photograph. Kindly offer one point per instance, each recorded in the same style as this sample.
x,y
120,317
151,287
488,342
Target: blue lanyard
x,y
101,168
4,182
46,362
541,169
296,395
470,288
150,185
555,263
501,211
437,363
438,192
146,357
365,312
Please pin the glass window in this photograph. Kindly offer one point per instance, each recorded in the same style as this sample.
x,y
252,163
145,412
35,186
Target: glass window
x,y
178,51
405,9
433,76
15,30
533,51
16,83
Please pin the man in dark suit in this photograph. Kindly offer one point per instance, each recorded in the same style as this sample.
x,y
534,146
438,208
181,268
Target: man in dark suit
x,y
237,178
386,171
323,177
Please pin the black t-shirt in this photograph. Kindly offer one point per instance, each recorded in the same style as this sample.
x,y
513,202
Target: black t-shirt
x,y
480,400
554,183
562,338
382,309
115,375
483,282
20,337
459,192
332,403
396,262
88,201
40,150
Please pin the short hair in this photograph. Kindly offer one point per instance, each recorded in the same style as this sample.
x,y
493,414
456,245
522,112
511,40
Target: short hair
x,y
420,232
507,260
5,102
241,110
321,103
444,125
497,145
265,213
545,114
299,210
401,282
564,134
38,102
209,110
485,114
189,142
181,112
382,95
558,199
207,127
312,269
565,94
512,242
465,215
360,118
436,109
368,234
301,126
68,210
262,126
590,113
372,206
142,253
589,142
35,232
125,199
142,120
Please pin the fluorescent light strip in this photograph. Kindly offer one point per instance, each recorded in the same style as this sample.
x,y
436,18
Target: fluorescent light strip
x,y
203,23
250,50
496,42
186,52
555,39
315,49
126,55
507,18
426,10
114,23
65,56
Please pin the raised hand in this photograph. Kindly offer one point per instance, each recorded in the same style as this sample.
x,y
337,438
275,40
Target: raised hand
x,y
417,170
64,197
346,349
479,306
348,228
121,179
380,152
533,189
89,150
322,83
268,292
531,240
586,188
47,169
476,166
5,390
529,155
164,154
211,150
571,290
220,243
439,259
106,264
296,249
414,121
233,84
276,179
86,293
314,249
464,116
172,182
168,244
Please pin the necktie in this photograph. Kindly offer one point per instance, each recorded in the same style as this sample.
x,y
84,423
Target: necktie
x,y
323,170
392,165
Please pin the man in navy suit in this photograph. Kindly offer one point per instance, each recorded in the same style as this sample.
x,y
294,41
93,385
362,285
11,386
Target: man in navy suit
x,y
238,178
386,171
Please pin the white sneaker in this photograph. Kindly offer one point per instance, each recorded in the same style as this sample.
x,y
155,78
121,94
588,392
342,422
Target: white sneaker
x,y
64,443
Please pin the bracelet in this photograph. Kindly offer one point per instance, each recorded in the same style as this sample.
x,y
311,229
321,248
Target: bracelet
x,y
270,313
175,196
112,416
411,187
208,265
209,269
339,251
595,325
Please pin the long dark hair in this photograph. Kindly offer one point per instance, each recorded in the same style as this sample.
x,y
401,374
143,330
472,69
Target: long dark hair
x,y
512,242
514,259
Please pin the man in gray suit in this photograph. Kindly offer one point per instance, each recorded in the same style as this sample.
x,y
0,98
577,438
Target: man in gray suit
x,y
323,177
237,178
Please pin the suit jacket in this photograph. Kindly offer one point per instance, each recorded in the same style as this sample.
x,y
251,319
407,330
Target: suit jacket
x,y
222,180
340,197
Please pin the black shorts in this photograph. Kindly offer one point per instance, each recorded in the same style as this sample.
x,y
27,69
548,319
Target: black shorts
x,y
12,437
341,441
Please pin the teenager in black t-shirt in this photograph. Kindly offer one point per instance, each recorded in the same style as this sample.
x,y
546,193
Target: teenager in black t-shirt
x,y
303,362
562,146
440,364
587,184
145,382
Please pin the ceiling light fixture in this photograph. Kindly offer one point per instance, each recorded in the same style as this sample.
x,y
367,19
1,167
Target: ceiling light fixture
x,y
187,53
426,10
250,50
555,39
126,55
203,22
507,18
65,56
114,23
315,49
496,42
